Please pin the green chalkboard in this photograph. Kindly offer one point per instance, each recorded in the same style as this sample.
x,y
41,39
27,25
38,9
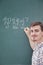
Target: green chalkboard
x,y
15,15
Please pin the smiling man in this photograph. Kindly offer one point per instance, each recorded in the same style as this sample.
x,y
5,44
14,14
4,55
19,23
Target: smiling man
x,y
35,36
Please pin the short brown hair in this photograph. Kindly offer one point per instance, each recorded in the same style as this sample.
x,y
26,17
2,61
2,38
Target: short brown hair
x,y
37,23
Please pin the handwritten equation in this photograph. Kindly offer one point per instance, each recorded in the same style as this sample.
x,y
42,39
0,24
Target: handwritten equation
x,y
15,23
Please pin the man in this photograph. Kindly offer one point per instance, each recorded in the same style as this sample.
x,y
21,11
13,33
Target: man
x,y
35,36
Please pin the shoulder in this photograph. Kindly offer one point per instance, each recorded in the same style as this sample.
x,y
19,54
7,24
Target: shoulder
x,y
38,51
41,47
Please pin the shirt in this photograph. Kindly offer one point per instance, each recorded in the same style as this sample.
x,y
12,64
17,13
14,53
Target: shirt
x,y
37,57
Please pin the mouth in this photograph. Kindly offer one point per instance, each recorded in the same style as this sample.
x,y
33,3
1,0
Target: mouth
x,y
34,36
34,40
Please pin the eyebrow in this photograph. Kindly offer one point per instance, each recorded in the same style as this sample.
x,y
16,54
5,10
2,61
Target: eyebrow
x,y
35,29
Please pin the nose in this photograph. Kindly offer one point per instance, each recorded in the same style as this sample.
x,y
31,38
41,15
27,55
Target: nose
x,y
33,32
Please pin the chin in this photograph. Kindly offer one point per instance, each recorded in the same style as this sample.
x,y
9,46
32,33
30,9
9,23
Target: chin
x,y
34,40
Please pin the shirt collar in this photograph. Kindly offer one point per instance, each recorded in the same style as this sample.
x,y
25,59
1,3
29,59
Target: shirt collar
x,y
38,45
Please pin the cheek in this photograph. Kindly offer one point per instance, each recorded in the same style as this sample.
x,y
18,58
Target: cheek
x,y
39,34
42,34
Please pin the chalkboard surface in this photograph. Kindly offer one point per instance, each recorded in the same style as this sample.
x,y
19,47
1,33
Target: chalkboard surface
x,y
15,15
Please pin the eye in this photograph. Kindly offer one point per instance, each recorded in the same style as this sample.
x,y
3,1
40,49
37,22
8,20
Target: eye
x,y
36,30
31,31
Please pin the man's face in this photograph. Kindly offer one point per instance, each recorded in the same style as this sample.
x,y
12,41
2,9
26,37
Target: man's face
x,y
36,33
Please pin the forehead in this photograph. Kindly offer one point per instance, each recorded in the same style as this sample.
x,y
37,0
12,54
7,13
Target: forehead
x,y
35,27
